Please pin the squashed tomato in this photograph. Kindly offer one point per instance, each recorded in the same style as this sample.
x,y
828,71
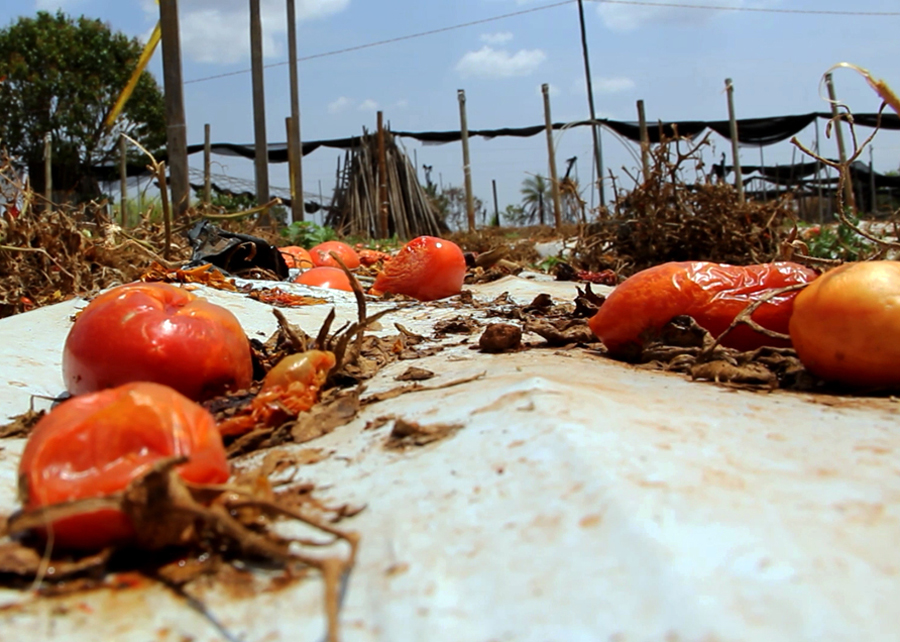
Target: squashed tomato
x,y
296,257
94,445
156,332
846,325
371,257
291,387
426,268
325,277
712,293
321,257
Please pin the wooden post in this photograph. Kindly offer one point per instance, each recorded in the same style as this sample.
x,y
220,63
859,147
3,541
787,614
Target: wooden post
x,y
207,166
595,130
763,179
872,191
733,131
551,155
467,169
176,133
297,213
496,208
819,178
292,158
645,139
123,181
383,227
849,200
48,171
261,147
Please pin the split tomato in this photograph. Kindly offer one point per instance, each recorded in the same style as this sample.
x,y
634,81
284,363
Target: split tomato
x,y
427,268
161,333
325,277
94,445
712,293
321,257
846,325
296,257
291,387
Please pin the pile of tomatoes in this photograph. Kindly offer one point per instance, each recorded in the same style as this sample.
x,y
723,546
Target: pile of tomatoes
x,y
426,268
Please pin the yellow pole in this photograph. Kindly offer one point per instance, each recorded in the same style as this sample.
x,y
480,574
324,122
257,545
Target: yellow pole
x,y
149,48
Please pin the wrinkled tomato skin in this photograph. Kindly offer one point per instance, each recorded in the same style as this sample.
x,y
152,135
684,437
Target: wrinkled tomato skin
x,y
712,293
321,257
427,268
94,445
156,332
325,277
846,325
296,257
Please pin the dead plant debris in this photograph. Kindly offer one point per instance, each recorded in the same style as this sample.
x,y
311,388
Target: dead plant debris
x,y
409,434
500,337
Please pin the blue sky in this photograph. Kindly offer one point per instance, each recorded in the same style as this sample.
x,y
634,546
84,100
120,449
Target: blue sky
x,y
675,59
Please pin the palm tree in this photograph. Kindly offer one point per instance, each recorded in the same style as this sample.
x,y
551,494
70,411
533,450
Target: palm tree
x,y
535,196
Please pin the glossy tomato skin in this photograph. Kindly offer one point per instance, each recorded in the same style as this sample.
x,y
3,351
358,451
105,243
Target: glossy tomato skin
x,y
427,268
156,332
94,445
296,257
321,257
846,325
325,277
712,293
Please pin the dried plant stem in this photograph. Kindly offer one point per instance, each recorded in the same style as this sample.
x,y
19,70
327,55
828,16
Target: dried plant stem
x,y
745,317
39,250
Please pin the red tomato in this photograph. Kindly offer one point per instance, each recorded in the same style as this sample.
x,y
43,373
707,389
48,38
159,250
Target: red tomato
x,y
96,444
325,277
713,294
371,257
156,332
846,325
296,257
427,268
321,257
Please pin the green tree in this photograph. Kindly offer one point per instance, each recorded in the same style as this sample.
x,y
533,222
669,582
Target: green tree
x,y
536,199
62,76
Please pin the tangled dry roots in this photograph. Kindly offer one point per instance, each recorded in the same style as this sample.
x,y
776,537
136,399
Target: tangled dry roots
x,y
665,218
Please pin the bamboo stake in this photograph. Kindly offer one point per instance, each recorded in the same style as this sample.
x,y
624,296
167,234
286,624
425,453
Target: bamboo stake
x,y
551,156
733,131
467,169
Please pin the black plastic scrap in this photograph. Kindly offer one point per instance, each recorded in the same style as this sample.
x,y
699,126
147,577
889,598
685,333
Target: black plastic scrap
x,y
233,252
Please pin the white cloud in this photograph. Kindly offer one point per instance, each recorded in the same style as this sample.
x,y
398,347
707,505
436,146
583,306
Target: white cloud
x,y
53,5
338,105
219,30
621,17
612,85
368,105
401,104
499,38
488,62
603,85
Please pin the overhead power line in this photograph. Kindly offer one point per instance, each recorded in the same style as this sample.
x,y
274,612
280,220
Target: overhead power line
x,y
554,5
379,43
714,7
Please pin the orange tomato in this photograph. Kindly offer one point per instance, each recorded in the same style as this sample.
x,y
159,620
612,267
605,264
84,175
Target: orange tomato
x,y
94,445
371,257
156,332
713,294
321,257
291,387
426,268
846,325
296,257
325,277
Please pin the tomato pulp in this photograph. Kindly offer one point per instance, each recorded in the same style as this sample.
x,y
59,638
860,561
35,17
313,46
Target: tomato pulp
x,y
94,445
426,268
712,293
156,332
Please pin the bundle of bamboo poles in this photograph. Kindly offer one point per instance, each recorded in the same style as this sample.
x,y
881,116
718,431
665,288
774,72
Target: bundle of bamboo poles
x,y
356,209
